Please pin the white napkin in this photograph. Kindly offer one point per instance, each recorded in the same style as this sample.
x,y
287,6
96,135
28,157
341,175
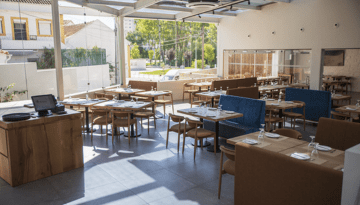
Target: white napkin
x,y
250,141
323,148
349,108
274,135
289,102
275,104
300,156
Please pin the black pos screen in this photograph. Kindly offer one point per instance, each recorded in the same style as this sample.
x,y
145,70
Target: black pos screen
x,y
43,102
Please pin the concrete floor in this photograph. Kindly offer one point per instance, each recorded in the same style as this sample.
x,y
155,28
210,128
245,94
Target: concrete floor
x,y
144,172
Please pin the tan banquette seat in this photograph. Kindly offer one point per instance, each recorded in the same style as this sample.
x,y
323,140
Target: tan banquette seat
x,y
234,83
247,92
265,177
338,134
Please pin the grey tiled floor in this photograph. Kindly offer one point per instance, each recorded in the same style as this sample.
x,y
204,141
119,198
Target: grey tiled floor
x,y
144,172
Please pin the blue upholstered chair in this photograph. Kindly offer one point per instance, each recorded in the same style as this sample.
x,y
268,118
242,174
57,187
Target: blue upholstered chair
x,y
318,103
253,111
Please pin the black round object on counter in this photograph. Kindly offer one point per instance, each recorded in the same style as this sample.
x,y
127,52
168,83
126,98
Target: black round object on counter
x,y
16,117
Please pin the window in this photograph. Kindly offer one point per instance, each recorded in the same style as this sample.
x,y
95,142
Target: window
x,y
2,26
44,27
20,28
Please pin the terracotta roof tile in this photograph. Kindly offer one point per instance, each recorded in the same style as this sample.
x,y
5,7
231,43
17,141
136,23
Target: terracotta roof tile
x,y
72,29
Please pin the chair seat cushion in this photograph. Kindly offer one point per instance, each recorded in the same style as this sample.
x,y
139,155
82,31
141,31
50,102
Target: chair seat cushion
x,y
101,120
175,128
229,167
200,133
190,91
143,114
293,114
123,122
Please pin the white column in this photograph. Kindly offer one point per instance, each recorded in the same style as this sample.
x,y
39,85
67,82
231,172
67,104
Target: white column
x,y
57,49
121,48
316,69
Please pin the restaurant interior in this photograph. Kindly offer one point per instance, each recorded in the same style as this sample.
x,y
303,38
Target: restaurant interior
x,y
277,122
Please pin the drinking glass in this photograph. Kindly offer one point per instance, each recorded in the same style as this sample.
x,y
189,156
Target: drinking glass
x,y
220,108
132,99
152,88
215,89
129,86
260,138
311,144
227,88
209,90
315,154
358,103
220,88
155,89
254,84
114,97
87,96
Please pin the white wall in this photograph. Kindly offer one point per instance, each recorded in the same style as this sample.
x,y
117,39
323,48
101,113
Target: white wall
x,y
317,17
44,81
95,34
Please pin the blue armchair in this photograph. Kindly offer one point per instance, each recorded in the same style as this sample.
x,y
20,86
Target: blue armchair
x,y
318,103
254,116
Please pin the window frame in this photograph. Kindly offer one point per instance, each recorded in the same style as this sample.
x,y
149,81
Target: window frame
x,y
3,26
38,29
26,26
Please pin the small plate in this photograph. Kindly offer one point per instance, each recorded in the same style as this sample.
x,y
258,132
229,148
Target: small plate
x,y
140,102
289,102
192,111
324,148
272,135
129,106
300,156
277,104
250,141
212,109
270,99
229,112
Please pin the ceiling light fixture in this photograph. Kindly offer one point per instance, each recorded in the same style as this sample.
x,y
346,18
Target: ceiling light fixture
x,y
203,3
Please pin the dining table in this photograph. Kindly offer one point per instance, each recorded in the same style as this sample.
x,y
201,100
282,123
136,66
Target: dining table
x,y
272,87
340,97
300,85
212,95
200,84
124,91
85,103
214,115
124,105
152,94
349,109
282,105
332,158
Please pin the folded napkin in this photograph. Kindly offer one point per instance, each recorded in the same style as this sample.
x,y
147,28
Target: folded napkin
x,y
289,102
275,104
272,134
250,141
300,156
349,108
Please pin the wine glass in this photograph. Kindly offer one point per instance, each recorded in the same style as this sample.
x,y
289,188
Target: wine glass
x,y
358,103
132,100
215,89
129,86
114,97
152,88
155,89
314,153
227,88
220,88
254,84
311,144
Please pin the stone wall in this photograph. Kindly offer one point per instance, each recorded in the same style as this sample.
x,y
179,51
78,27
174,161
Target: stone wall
x,y
351,68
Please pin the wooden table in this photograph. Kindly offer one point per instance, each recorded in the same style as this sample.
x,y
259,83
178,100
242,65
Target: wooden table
x,y
344,109
287,146
152,95
283,105
127,105
338,97
82,103
124,91
217,119
40,146
300,85
272,87
212,95
202,84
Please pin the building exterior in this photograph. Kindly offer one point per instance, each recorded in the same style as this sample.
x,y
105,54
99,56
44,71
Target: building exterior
x,y
129,25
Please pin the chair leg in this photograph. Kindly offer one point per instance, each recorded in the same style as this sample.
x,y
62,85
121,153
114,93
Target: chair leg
x,y
183,143
148,125
195,146
220,174
167,138
215,145
178,141
101,129
136,131
112,133
141,122
129,133
304,124
164,109
92,129
106,133
172,103
155,121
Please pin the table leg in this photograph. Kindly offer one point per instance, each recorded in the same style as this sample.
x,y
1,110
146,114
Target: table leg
x,y
212,102
87,119
211,148
119,96
280,116
206,143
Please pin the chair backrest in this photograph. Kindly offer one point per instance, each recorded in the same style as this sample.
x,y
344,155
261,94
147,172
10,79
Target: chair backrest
x,y
338,134
248,92
264,177
99,95
230,154
176,118
145,85
193,123
122,114
318,103
253,110
234,83
288,133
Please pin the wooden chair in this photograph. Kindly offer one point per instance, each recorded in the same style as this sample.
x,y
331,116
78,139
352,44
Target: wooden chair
x,y
271,119
293,115
340,116
145,113
229,165
99,95
199,101
180,128
100,117
189,91
288,133
164,102
122,119
197,134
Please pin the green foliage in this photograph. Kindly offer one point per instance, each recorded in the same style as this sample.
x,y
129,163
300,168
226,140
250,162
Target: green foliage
x,y
199,64
209,53
47,60
135,53
162,64
157,72
151,54
8,96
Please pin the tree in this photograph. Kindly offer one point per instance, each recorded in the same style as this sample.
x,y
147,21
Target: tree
x,y
170,54
187,56
209,53
135,53
151,54
157,55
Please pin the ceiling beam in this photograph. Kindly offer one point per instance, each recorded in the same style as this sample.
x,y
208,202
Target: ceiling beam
x,y
284,1
170,17
185,9
138,5
195,12
110,3
102,8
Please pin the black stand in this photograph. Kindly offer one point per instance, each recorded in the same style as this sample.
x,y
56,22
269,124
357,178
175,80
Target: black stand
x,y
211,148
44,113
